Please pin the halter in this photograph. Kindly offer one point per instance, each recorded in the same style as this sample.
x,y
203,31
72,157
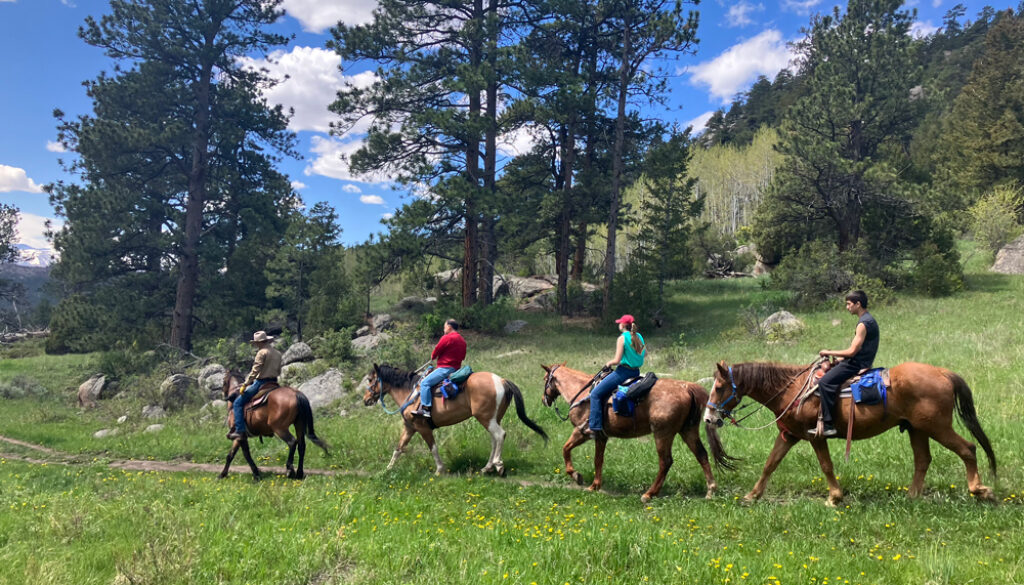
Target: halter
x,y
572,403
728,413
718,407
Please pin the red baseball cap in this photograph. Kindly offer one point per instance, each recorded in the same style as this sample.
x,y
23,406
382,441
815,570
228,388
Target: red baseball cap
x,y
626,319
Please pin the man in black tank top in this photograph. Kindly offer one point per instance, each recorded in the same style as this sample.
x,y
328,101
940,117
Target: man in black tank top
x,y
859,356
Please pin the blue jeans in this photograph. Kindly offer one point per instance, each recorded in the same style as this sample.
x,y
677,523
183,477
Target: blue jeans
x,y
429,381
604,389
239,404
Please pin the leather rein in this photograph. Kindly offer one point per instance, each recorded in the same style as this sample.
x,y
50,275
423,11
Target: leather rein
x,y
572,403
735,394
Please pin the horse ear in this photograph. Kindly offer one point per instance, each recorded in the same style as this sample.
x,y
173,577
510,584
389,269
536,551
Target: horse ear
x,y
546,368
376,368
722,369
563,363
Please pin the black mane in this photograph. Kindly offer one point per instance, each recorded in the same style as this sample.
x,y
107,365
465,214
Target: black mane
x,y
395,377
766,375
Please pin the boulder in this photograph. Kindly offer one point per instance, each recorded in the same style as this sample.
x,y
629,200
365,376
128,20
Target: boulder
x,y
104,433
383,322
297,352
323,389
364,330
154,428
782,322
153,411
292,371
1010,259
91,390
368,342
446,277
211,380
523,288
515,326
177,391
542,302
122,419
363,385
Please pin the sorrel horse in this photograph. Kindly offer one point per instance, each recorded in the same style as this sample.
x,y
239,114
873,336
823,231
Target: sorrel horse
x,y
483,396
921,399
285,407
672,408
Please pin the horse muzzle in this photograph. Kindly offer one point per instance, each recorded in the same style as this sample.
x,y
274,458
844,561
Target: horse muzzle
x,y
711,416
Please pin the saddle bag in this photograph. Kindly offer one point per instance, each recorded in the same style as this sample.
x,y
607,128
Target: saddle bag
x,y
870,389
625,398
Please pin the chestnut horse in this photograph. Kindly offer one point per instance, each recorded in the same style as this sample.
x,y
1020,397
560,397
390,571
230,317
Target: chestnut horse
x,y
484,396
673,407
285,407
921,399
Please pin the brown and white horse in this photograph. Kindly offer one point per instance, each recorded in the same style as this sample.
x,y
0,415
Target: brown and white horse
x,y
285,407
921,399
483,396
672,408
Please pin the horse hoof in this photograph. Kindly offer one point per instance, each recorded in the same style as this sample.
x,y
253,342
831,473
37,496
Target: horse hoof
x,y
645,499
300,476
751,498
290,474
578,477
985,494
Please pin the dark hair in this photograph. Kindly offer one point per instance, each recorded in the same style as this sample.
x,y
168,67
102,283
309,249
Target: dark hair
x,y
453,324
858,296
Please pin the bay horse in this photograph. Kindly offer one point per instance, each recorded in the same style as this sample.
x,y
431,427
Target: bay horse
x,y
285,407
483,396
921,399
672,408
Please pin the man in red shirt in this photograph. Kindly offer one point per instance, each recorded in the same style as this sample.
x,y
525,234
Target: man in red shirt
x,y
449,353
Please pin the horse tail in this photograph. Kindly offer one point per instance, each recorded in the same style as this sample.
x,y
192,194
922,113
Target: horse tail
x,y
965,411
517,395
306,416
698,400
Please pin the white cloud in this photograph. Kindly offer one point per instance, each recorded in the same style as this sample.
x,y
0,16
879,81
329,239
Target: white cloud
x,y
800,6
12,1
739,14
31,229
332,160
919,29
309,79
372,200
725,75
319,15
700,122
53,145
936,3
387,216
519,141
69,3
15,179
351,189
298,185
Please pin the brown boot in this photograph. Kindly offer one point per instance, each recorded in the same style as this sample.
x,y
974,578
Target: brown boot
x,y
236,435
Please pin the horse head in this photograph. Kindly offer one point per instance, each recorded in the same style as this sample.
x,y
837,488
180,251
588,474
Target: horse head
x,y
232,382
375,387
551,391
724,397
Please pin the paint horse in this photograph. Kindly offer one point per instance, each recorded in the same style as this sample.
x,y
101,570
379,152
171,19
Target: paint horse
x,y
285,407
921,399
672,408
483,396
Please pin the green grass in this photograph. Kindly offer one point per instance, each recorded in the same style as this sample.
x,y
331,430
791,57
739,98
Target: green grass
x,y
89,524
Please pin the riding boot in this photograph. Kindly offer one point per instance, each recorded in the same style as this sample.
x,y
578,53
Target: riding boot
x,y
237,434
422,411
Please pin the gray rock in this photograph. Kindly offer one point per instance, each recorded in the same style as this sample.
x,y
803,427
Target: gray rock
x,y
363,385
297,352
292,371
783,322
447,277
218,404
211,380
153,411
362,331
1010,259
383,322
104,433
178,391
515,326
367,342
542,302
522,288
154,428
122,419
91,390
324,389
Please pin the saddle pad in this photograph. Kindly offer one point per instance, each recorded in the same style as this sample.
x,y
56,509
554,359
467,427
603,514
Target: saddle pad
x,y
461,375
261,397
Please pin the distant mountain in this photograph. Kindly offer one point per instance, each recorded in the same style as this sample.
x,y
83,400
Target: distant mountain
x,y
35,257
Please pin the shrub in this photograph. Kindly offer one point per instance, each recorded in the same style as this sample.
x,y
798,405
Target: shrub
x,y
334,346
936,273
126,360
818,272
21,387
400,349
489,319
994,218
230,353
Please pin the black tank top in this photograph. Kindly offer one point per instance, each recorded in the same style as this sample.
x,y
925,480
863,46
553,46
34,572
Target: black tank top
x,y
865,358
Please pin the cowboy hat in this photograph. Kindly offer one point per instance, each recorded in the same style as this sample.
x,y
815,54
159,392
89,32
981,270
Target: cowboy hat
x,y
261,337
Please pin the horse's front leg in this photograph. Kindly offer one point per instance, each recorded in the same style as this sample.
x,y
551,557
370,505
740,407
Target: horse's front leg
x,y
428,437
691,436
289,440
301,440
248,458
231,455
599,445
835,493
782,446
663,444
576,439
403,440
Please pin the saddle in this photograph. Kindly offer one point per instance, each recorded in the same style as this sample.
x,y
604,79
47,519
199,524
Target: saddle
x,y
631,392
261,397
450,387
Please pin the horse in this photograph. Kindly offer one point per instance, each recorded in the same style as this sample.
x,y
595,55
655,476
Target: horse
x,y
285,407
483,396
921,400
672,407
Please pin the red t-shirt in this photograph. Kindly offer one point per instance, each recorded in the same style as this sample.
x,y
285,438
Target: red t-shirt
x,y
450,351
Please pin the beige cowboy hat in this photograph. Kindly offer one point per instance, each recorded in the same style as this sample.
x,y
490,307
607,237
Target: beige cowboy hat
x,y
261,337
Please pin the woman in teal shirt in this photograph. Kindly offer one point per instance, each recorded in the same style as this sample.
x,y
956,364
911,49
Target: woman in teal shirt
x,y
630,351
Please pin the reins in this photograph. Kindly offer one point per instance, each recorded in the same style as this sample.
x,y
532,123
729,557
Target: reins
x,y
736,422
572,403
412,393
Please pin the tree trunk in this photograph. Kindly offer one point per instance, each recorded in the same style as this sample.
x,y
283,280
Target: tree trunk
x,y
489,244
580,252
471,243
564,220
617,164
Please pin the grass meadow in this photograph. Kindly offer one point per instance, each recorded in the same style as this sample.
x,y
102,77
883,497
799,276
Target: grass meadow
x,y
87,522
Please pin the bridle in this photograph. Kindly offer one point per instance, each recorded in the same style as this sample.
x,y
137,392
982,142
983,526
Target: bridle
x,y
572,403
719,407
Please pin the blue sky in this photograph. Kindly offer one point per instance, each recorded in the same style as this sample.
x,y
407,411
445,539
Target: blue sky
x,y
44,64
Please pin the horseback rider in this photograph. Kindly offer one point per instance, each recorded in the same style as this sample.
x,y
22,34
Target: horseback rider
x,y
449,353
630,350
859,356
266,368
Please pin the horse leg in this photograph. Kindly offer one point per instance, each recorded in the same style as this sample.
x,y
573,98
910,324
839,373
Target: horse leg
x,y
428,437
576,439
779,451
922,459
403,440
599,445
835,493
497,443
289,440
248,458
949,439
663,443
231,455
300,474
691,436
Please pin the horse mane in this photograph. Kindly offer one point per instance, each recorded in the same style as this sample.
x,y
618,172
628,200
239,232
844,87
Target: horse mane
x,y
396,377
768,375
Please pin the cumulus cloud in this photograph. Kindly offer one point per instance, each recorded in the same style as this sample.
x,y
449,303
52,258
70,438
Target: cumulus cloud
x,y
739,14
517,142
15,179
387,216
298,185
725,75
919,29
936,3
309,79
32,228
700,122
53,145
372,199
331,160
351,189
800,6
319,15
